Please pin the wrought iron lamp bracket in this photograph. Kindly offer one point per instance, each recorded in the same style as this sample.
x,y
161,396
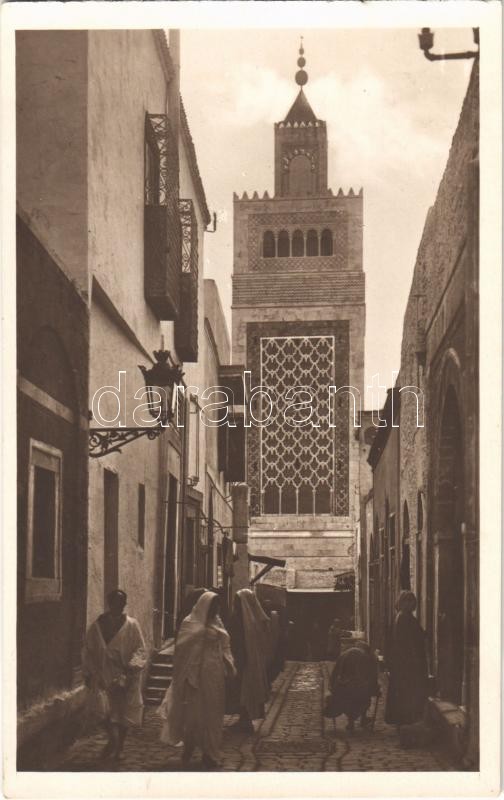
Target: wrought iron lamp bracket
x,y
426,42
103,441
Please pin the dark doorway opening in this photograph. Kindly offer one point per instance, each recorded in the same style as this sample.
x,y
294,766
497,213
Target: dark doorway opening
x,y
110,532
448,521
169,566
312,614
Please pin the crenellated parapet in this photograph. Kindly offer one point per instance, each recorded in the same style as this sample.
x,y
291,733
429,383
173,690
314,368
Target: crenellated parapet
x,y
318,123
266,196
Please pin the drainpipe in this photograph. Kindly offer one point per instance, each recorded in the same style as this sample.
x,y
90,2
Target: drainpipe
x,y
174,87
240,536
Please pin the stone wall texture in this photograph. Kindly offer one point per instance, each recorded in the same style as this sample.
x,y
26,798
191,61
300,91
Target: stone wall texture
x,y
439,360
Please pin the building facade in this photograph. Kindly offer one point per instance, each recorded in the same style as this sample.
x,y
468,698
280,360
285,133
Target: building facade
x,y
111,221
432,457
298,327
53,333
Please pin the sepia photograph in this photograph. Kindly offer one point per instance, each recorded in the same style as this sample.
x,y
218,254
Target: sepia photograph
x,y
246,449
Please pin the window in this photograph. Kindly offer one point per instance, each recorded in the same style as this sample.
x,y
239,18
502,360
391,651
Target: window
x,y
152,172
283,244
326,243
141,515
268,245
162,228
43,562
298,244
186,326
312,243
194,433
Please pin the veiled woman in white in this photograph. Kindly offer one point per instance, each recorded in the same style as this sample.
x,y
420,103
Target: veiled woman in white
x,y
252,650
193,708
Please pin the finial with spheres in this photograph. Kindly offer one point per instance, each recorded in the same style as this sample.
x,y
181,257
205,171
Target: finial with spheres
x,y
301,74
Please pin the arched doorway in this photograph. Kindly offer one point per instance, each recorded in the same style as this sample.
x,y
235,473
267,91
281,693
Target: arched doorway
x,y
404,570
419,556
374,588
449,545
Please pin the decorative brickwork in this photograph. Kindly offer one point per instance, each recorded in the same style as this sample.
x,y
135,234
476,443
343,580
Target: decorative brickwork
x,y
301,264
337,333
300,288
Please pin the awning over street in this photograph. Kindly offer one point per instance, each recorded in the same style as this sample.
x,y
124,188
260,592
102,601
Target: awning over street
x,y
268,562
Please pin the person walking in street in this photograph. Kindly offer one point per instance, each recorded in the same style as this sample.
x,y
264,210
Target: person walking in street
x,y
273,666
188,604
194,704
250,644
334,640
407,662
354,681
113,659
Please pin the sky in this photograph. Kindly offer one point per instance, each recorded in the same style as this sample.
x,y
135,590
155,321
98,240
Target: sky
x,y
390,114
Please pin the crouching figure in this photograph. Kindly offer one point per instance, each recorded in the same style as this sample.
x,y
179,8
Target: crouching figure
x,y
353,682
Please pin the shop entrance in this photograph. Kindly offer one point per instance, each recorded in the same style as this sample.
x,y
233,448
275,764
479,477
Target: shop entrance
x,y
312,614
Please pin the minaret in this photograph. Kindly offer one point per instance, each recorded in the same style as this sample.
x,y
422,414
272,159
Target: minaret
x,y
298,321
300,146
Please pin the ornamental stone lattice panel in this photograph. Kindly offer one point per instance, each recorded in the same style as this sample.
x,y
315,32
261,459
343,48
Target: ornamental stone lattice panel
x,y
336,221
297,448
293,469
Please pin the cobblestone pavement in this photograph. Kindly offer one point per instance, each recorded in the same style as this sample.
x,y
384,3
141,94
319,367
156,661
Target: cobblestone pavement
x,y
293,737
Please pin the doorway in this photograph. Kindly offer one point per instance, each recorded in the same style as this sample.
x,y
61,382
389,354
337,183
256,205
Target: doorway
x,y
449,544
169,589
110,533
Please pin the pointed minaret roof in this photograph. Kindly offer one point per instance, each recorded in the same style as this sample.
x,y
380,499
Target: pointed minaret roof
x,y
301,110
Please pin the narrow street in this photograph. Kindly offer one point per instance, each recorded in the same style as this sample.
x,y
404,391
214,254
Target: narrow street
x,y
293,737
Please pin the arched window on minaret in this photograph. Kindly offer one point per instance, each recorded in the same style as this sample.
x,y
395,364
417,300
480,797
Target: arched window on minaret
x,y
268,245
300,176
298,243
312,243
283,244
326,243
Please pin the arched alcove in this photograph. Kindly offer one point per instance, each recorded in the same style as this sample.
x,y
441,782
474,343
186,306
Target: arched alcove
x,y
326,243
300,176
404,571
283,245
268,244
312,245
298,243
448,510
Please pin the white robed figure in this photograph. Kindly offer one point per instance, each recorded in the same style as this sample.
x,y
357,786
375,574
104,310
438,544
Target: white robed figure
x,y
194,704
113,659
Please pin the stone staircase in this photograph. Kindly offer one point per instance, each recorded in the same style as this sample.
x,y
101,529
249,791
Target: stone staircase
x,y
160,675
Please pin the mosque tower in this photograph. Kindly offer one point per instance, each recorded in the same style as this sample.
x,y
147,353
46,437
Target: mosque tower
x,y
298,321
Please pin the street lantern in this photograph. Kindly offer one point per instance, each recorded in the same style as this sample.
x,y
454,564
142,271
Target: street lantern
x,y
160,382
426,39
426,42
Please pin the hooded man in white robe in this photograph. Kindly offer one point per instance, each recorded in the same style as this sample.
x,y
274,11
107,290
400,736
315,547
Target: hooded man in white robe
x,y
113,659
